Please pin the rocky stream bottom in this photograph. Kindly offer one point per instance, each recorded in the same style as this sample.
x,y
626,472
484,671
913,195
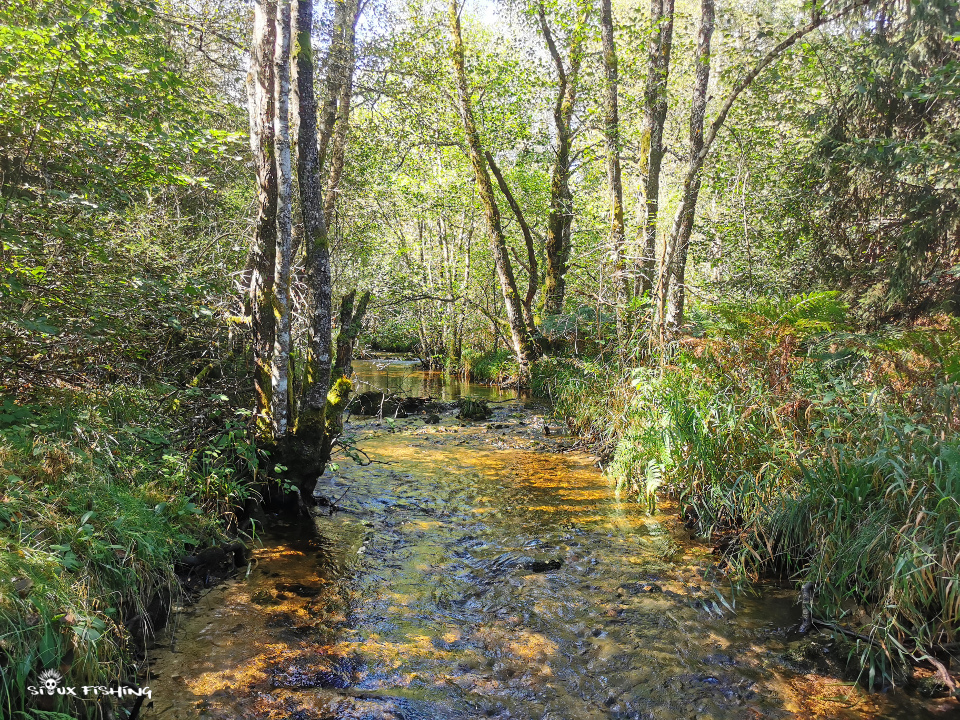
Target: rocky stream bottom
x,y
485,570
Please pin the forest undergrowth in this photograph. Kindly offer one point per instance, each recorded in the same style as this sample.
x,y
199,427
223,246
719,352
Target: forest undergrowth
x,y
806,450
102,495
125,446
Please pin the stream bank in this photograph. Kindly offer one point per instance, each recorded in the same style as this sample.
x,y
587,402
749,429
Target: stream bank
x,y
475,570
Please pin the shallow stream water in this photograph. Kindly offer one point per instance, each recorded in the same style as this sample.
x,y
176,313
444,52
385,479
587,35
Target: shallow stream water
x,y
485,570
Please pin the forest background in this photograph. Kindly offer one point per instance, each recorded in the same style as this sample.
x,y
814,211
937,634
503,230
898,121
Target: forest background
x,y
722,240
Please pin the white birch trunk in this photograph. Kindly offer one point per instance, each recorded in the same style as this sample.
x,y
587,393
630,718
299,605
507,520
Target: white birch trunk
x,y
281,348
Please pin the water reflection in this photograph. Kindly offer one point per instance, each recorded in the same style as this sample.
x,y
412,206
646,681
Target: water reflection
x,y
406,377
476,572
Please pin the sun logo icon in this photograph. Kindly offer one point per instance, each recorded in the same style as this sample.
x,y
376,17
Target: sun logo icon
x,y
50,679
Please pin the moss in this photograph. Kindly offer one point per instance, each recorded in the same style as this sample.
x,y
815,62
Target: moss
x,y
337,400
339,394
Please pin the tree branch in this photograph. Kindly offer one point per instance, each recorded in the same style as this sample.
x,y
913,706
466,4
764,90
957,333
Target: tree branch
x,y
524,227
769,58
557,60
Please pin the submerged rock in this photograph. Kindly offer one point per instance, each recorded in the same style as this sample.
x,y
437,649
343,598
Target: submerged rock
x,y
536,564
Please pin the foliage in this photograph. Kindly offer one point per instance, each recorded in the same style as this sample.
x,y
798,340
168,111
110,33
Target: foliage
x,y
807,450
884,169
121,223
588,395
98,502
105,222
800,442
491,368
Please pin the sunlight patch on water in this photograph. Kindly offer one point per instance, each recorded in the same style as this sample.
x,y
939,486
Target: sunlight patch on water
x,y
467,580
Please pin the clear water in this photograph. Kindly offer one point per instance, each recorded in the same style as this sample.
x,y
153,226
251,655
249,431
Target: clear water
x,y
407,378
475,571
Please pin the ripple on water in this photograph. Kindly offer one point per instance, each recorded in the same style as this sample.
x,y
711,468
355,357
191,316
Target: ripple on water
x,y
465,581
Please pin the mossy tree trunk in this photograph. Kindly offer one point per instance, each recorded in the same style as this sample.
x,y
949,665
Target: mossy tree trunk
x,y
611,136
523,344
654,119
310,420
306,450
260,93
337,400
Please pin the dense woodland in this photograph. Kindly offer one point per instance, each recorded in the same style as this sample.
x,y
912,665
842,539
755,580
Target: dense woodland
x,y
723,239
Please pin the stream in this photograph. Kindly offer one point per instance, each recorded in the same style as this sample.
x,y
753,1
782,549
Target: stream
x,y
487,570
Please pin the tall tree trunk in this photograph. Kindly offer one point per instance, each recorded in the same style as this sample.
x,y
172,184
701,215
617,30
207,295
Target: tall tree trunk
x,y
611,135
673,267
284,260
673,296
350,14
560,219
260,92
654,119
317,256
669,295
523,346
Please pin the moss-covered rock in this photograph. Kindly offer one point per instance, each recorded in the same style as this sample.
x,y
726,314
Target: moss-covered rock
x,y
472,408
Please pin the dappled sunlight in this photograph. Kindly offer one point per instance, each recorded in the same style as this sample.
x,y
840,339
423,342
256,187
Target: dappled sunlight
x,y
463,575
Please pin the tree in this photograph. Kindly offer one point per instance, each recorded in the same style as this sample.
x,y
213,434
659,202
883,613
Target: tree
x,y
261,102
669,295
521,334
611,136
560,219
319,351
669,310
659,47
298,429
342,66
284,254
886,215
351,322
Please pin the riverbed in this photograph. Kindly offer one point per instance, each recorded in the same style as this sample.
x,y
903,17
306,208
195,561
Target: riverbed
x,y
490,570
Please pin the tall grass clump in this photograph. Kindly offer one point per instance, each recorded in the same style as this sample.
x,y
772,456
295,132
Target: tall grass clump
x,y
493,367
589,395
98,502
809,450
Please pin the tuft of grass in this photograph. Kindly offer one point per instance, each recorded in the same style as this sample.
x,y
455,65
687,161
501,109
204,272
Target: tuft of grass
x,y
805,449
588,395
97,503
493,367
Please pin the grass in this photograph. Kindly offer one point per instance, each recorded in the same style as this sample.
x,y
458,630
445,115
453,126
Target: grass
x,y
493,367
98,501
803,449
